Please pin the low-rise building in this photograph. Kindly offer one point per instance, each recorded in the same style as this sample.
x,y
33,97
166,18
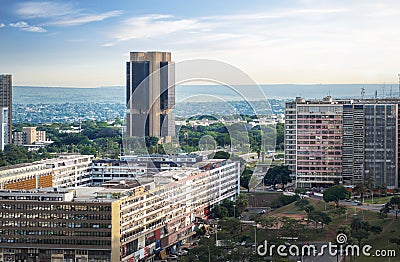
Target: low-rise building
x,y
64,171
123,220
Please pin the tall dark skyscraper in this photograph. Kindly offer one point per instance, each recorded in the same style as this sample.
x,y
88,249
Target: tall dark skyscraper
x,y
150,95
6,108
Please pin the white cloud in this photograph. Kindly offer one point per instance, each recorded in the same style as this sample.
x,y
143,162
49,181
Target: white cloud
x,y
44,9
317,42
24,26
83,19
2,25
19,24
36,29
155,25
107,44
61,14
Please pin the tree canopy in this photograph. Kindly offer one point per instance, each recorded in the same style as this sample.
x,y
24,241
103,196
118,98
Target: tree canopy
x,y
277,175
336,193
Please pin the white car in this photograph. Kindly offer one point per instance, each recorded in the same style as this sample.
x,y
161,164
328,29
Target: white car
x,y
172,257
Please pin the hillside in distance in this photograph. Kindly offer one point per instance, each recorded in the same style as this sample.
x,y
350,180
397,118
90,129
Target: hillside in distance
x,y
203,93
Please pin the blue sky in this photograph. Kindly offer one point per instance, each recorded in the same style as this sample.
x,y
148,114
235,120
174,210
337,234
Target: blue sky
x,y
86,43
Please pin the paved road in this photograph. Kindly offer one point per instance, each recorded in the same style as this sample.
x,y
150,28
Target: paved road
x,y
371,207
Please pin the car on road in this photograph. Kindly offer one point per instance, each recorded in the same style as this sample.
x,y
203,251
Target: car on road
x,y
172,257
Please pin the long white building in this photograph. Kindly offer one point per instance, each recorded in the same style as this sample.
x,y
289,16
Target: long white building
x,y
123,220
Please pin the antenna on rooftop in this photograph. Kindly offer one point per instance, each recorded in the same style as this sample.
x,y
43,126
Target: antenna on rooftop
x,y
362,92
376,94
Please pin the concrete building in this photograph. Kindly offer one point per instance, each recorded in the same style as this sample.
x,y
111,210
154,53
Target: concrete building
x,y
370,143
4,127
104,170
30,135
31,138
6,103
313,141
62,172
139,165
150,95
343,141
123,220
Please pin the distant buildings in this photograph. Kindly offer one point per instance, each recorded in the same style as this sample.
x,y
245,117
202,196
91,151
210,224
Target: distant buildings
x,y
121,220
150,95
31,138
5,110
343,141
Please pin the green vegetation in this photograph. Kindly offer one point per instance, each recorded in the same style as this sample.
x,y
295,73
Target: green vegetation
x,y
316,221
283,201
241,135
89,138
378,200
230,208
336,193
277,175
14,154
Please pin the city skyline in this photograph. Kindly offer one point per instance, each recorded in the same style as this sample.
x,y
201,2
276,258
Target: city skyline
x,y
85,44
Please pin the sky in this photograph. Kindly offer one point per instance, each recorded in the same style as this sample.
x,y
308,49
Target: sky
x,y
86,43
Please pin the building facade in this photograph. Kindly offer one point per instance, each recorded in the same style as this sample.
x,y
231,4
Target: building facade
x,y
150,95
123,220
343,141
6,103
29,136
62,172
370,143
313,141
4,127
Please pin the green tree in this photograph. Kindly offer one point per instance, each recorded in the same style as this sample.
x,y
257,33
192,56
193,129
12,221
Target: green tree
x,y
394,204
231,225
336,193
360,189
219,211
359,229
242,201
301,203
221,155
376,230
319,217
396,241
277,175
280,136
268,222
383,212
245,178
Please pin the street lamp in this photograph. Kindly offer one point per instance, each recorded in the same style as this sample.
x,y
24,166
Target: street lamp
x,y
234,211
255,238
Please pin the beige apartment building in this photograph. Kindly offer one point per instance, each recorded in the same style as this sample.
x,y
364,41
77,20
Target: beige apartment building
x,y
122,220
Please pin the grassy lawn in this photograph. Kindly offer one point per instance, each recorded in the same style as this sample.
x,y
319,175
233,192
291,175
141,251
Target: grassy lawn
x,y
378,200
390,226
340,217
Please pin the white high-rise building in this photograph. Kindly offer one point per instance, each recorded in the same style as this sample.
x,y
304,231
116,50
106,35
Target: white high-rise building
x,y
4,127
